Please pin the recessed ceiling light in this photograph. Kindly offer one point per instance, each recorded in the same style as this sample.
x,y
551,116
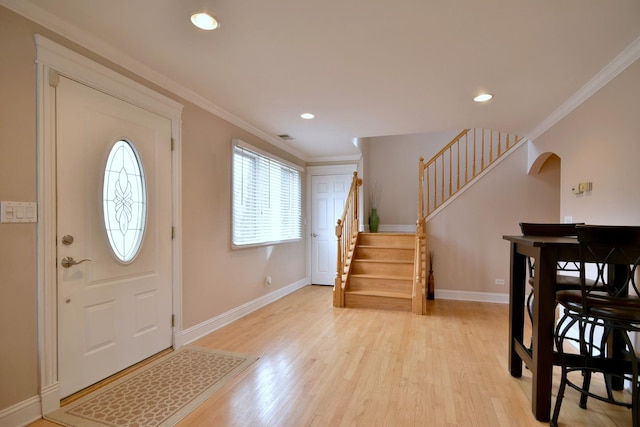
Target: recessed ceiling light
x,y
483,97
204,21
307,116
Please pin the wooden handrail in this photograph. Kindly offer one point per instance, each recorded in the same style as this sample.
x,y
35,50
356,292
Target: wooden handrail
x,y
437,183
461,156
346,233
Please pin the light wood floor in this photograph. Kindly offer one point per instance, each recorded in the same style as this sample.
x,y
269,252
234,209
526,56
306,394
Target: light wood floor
x,y
322,366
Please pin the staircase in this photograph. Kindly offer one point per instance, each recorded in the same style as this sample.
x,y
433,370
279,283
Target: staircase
x,y
389,270
381,273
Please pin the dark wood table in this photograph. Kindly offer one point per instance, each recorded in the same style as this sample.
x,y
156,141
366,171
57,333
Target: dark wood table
x,y
546,251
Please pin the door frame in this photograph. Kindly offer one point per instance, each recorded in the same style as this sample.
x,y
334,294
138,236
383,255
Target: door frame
x,y
53,60
322,171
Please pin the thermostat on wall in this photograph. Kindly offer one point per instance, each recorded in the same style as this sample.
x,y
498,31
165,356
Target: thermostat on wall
x,y
582,187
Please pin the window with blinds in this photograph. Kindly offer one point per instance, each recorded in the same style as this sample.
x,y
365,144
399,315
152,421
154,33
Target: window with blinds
x,y
267,198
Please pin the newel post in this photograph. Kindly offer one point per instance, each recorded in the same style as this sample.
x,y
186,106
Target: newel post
x,y
421,189
338,292
356,205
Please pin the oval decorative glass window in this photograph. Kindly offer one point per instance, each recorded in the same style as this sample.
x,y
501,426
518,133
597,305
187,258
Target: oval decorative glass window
x,y
124,201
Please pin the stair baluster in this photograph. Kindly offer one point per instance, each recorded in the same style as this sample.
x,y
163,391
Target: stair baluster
x,y
346,233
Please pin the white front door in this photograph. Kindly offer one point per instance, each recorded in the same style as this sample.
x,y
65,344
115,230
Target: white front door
x,y
328,194
115,304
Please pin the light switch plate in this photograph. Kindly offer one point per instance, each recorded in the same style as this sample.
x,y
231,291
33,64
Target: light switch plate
x,y
18,212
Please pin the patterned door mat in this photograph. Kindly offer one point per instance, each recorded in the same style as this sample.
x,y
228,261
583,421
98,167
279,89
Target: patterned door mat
x,y
158,394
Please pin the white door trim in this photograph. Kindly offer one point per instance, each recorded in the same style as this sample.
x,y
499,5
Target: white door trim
x,y
53,59
323,170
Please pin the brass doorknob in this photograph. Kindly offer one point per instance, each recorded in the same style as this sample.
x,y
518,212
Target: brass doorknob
x,y
69,261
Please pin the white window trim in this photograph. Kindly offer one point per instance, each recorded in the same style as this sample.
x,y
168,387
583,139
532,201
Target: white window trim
x,y
265,154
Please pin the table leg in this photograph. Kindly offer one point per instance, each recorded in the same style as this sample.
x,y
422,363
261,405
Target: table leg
x,y
616,348
516,308
543,332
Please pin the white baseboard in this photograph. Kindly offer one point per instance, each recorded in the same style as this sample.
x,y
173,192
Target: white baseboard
x,y
198,331
30,410
472,296
22,413
50,398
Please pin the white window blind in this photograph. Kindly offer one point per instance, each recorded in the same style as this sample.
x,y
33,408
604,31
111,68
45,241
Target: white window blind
x,y
267,198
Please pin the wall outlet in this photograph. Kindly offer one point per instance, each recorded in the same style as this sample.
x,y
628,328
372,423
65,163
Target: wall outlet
x,y
499,281
267,281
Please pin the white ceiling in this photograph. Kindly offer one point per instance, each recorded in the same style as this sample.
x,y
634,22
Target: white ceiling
x,y
364,67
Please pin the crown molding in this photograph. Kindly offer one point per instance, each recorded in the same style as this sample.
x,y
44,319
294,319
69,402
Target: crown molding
x,y
30,11
346,158
107,51
627,57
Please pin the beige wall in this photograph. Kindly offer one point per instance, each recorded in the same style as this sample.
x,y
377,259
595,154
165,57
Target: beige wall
x,y
466,237
597,142
215,278
393,162
600,142
18,292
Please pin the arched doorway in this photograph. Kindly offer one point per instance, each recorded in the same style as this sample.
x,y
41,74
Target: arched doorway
x,y
546,168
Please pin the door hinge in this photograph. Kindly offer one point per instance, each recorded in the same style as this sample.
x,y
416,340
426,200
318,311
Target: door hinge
x,y
172,144
173,320
54,78
173,232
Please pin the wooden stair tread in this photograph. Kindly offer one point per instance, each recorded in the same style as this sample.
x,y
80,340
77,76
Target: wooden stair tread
x,y
377,293
387,233
379,261
381,272
381,276
386,247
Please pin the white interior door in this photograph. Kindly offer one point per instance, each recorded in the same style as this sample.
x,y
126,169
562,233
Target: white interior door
x,y
328,194
115,308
